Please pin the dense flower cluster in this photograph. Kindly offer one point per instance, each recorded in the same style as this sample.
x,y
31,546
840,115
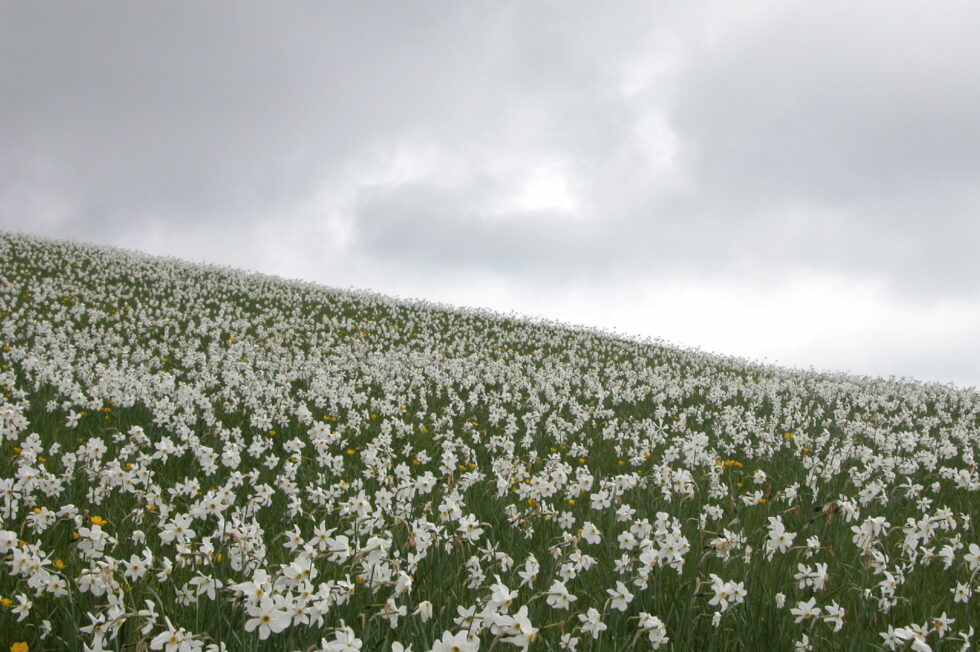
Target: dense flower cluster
x,y
202,459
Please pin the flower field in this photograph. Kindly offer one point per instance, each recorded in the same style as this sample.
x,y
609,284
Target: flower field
x,y
197,458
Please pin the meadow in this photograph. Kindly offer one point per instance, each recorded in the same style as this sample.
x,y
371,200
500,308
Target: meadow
x,y
199,458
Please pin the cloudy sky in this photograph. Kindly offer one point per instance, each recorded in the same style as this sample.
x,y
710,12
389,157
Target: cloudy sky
x,y
795,182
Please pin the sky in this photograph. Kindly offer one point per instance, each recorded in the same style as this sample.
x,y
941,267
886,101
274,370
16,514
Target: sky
x,y
791,182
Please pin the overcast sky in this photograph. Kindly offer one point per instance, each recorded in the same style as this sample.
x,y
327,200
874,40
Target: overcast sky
x,y
797,182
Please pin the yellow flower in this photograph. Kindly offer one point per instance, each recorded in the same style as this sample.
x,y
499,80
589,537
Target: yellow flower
x,y
60,565
20,646
5,602
98,520
571,501
351,451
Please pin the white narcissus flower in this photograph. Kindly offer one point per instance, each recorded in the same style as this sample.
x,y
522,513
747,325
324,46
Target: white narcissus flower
x,y
8,541
805,610
591,622
175,639
469,528
458,642
834,614
722,593
973,557
621,596
961,592
559,597
269,616
591,533
344,640
942,624
518,629
655,629
23,607
423,611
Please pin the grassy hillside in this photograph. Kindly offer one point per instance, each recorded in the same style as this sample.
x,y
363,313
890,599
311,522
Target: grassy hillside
x,y
196,457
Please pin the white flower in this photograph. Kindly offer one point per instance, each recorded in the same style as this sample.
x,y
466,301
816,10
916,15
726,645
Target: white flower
x,y
961,592
344,640
726,593
834,614
973,557
942,624
655,629
591,533
518,629
621,597
174,639
469,528
592,622
559,597
423,611
458,642
805,610
891,638
23,607
269,615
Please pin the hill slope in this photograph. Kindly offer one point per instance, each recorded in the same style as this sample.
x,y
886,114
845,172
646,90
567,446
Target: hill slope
x,y
202,455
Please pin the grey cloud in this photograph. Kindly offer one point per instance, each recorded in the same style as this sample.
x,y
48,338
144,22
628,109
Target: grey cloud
x,y
224,111
430,227
869,123
838,109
